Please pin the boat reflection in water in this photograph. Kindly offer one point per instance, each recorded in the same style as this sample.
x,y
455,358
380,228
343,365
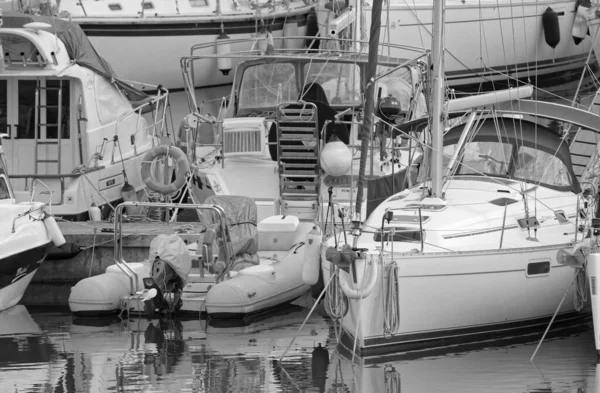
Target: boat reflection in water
x,y
29,361
197,355
564,363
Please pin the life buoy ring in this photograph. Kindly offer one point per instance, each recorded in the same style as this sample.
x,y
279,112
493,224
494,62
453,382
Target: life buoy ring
x,y
183,166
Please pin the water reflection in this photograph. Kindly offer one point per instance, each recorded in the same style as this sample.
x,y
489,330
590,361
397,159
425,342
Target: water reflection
x,y
563,364
54,353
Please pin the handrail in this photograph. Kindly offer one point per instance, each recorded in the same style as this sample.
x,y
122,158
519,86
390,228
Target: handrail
x,y
118,236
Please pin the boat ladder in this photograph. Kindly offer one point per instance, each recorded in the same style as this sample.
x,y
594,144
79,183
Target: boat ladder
x,y
44,112
298,158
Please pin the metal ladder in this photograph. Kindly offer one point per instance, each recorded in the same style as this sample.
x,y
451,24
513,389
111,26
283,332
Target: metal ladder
x,y
298,157
38,125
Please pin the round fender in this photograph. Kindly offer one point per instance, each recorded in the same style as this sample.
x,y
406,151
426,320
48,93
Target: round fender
x,y
182,163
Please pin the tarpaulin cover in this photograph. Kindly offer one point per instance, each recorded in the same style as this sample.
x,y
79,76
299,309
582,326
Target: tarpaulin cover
x,y
79,47
173,250
240,212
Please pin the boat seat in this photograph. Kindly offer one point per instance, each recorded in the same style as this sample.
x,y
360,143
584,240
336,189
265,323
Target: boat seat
x,y
241,215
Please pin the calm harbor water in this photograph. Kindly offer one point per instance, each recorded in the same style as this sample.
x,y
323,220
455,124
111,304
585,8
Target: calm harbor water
x,y
42,351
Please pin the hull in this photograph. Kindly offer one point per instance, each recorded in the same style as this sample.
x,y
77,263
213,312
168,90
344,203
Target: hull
x,y
148,50
17,271
457,298
489,40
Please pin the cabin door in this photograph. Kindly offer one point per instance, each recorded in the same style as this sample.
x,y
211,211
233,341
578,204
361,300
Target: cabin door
x,y
33,112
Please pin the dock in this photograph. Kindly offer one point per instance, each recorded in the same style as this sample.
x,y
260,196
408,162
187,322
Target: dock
x,y
90,250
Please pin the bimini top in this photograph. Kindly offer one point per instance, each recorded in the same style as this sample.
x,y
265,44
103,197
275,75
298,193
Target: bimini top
x,y
79,47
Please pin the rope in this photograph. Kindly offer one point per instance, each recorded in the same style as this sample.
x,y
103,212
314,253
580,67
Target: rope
x,y
93,250
336,302
391,301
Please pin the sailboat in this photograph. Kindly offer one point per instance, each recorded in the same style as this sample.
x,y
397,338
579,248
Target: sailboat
x,y
490,41
469,253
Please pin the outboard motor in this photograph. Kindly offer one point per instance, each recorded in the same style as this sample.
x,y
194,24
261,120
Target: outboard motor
x,y
171,265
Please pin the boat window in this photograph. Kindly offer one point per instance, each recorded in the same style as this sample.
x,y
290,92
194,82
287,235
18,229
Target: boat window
x,y
538,166
267,85
198,3
54,102
399,85
3,106
26,126
341,82
482,158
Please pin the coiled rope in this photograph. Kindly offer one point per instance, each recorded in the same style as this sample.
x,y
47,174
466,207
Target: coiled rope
x,y
391,301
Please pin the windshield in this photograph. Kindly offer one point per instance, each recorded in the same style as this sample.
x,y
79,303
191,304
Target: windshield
x,y
341,82
494,159
266,85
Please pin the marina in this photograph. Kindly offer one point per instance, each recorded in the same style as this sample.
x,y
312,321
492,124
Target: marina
x,y
314,199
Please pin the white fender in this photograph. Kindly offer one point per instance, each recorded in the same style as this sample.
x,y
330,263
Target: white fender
x,y
359,293
580,24
312,256
54,231
593,268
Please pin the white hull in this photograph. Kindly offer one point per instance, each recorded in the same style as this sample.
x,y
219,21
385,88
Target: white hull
x,y
486,37
130,57
12,294
451,298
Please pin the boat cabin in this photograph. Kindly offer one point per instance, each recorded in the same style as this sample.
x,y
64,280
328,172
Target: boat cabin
x,y
65,118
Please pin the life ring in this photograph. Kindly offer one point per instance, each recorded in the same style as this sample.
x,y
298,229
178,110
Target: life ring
x,y
183,166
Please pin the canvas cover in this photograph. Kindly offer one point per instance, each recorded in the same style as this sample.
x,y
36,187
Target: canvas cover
x,y
173,250
241,215
79,47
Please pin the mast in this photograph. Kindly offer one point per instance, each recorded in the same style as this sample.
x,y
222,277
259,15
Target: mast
x,y
437,94
367,124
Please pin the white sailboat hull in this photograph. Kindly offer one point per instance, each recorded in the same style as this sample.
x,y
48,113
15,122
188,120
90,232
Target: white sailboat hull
x,y
458,298
490,40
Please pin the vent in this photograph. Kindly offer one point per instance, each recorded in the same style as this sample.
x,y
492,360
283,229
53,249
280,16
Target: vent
x,y
115,7
148,5
243,141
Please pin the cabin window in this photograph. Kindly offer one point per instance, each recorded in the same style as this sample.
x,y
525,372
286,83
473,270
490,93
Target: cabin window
x,y
26,126
341,82
51,105
538,268
148,5
399,235
538,166
115,7
57,105
198,3
267,85
3,107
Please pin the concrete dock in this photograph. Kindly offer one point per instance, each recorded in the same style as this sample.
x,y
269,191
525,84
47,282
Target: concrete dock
x,y
90,250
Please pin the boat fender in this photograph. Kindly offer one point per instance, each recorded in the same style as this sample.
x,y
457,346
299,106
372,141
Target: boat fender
x,y
312,30
54,231
551,27
312,256
351,290
182,163
580,26
223,47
